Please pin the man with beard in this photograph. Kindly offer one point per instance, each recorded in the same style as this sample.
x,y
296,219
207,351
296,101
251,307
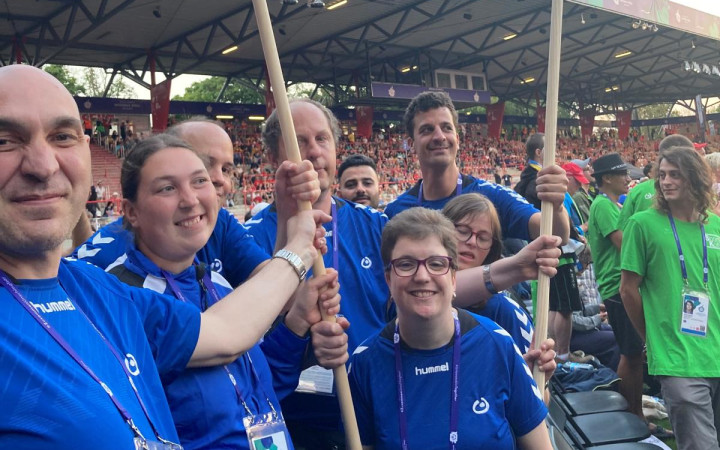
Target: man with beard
x,y
359,181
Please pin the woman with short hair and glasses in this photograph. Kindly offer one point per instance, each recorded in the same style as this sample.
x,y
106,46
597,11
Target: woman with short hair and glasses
x,y
439,376
479,241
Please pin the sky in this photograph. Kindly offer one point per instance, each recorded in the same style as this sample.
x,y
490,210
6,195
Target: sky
x,y
708,6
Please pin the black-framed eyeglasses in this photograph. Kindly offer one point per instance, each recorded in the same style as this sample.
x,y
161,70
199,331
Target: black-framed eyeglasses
x,y
407,267
482,240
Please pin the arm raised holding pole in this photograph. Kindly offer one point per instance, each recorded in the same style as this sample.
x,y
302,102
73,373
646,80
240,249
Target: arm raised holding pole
x,y
272,60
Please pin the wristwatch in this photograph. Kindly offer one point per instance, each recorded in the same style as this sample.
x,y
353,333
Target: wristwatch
x,y
488,280
294,261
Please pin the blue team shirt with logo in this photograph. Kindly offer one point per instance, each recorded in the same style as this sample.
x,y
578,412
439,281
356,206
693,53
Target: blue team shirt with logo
x,y
498,399
513,210
203,401
363,290
230,251
48,400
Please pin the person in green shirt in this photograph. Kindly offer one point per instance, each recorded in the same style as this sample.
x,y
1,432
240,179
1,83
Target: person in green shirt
x,y
657,283
641,196
605,238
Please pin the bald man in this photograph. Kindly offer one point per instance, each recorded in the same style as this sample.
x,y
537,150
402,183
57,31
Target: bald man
x,y
87,352
231,251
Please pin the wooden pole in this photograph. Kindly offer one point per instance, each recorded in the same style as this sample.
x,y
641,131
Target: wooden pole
x,y
546,209
342,385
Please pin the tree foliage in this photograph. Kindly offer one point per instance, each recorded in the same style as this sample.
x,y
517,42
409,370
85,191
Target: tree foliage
x,y
90,81
320,94
207,91
656,111
62,73
95,80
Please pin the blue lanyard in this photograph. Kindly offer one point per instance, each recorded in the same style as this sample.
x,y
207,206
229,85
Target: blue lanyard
x,y
402,400
458,189
335,250
7,284
682,257
618,204
209,287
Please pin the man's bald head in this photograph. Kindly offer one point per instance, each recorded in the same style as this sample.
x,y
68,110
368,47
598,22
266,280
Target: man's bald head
x,y
44,163
209,138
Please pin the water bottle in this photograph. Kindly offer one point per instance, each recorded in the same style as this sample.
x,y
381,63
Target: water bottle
x,y
570,366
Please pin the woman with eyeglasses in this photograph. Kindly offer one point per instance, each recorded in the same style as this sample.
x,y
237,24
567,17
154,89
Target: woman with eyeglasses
x,y
479,242
439,377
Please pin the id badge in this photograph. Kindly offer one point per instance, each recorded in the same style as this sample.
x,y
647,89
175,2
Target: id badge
x,y
143,444
267,432
695,312
316,380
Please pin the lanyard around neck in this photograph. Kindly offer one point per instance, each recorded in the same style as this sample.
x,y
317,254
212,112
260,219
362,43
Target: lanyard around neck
x,y
402,400
205,282
209,288
458,190
618,204
7,284
336,249
682,256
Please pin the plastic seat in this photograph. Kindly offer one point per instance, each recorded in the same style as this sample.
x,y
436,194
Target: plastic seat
x,y
591,430
628,446
609,428
580,403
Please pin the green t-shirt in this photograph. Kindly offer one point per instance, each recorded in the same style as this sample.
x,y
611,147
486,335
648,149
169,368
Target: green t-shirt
x,y
649,250
639,198
604,215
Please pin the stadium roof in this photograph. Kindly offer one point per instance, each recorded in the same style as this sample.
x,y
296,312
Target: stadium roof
x,y
370,40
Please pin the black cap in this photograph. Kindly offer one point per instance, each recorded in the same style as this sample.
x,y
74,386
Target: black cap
x,y
612,162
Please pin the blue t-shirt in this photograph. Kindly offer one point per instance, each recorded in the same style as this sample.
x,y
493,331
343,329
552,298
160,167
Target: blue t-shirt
x,y
363,290
230,251
203,401
48,400
498,399
504,311
573,213
514,211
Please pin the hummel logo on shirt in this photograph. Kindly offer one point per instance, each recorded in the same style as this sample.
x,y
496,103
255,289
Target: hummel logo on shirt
x,y
432,369
50,307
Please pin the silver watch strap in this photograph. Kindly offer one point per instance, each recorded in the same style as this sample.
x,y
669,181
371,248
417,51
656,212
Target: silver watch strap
x,y
294,261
